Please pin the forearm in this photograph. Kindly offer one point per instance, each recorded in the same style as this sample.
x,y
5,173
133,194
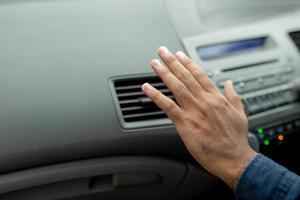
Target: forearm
x,y
265,179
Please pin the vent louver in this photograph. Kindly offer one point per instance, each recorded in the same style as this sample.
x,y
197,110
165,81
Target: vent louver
x,y
296,38
134,105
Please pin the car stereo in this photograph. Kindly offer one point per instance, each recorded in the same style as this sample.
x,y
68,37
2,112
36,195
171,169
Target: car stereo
x,y
263,64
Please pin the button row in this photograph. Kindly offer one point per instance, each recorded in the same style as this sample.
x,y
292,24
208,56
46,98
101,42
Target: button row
x,y
260,78
268,100
282,129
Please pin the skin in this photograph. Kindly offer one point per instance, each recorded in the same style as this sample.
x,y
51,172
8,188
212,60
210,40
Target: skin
x,y
213,126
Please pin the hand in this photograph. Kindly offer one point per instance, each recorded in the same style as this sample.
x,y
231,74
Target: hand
x,y
212,126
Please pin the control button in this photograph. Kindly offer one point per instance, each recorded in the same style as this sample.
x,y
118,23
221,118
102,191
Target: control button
x,y
266,102
209,74
221,84
289,126
279,129
254,105
252,100
272,97
242,84
270,132
260,80
253,109
278,98
289,95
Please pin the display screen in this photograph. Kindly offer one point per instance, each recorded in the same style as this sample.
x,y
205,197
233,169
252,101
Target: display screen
x,y
223,49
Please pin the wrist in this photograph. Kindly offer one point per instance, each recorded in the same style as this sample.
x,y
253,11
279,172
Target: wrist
x,y
234,169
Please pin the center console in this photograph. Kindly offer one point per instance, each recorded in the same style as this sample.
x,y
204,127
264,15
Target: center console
x,y
263,61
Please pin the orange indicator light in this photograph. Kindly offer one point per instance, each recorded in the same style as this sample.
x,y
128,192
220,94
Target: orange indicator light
x,y
280,137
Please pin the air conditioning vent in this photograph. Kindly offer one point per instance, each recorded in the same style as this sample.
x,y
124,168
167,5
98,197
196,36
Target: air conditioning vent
x,y
133,104
296,38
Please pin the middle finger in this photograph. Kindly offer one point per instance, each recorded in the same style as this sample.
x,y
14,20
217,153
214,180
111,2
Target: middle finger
x,y
179,90
180,71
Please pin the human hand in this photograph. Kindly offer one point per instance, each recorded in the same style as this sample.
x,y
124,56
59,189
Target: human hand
x,y
213,126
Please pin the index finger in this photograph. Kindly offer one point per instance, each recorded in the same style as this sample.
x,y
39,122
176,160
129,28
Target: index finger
x,y
172,110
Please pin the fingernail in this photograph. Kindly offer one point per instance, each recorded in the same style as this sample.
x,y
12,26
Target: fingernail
x,y
156,64
181,55
146,87
230,84
163,50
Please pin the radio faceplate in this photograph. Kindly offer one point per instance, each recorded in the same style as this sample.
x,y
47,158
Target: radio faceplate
x,y
270,98
263,76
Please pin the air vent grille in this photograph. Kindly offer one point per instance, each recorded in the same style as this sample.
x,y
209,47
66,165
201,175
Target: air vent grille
x,y
134,105
296,38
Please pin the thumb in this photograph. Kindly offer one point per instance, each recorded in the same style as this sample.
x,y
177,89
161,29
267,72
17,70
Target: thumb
x,y
232,96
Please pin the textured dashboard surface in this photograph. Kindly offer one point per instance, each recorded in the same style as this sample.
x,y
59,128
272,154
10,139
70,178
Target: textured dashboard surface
x,y
55,61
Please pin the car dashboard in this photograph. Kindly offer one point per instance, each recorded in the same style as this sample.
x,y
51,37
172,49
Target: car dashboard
x,y
74,123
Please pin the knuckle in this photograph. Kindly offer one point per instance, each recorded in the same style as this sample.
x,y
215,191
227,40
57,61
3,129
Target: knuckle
x,y
170,60
181,76
181,91
155,96
219,103
222,100
163,72
217,106
170,107
208,107
206,102
195,124
199,74
179,87
188,61
186,77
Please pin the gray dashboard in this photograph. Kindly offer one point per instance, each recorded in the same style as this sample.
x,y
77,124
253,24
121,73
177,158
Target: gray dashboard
x,y
57,59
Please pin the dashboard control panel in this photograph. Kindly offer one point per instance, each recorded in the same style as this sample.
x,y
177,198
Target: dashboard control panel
x,y
264,66
260,79
269,98
278,130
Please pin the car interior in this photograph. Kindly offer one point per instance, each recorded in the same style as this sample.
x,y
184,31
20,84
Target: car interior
x,y
74,123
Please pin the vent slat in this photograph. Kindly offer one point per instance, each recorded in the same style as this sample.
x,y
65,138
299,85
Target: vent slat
x,y
134,101
128,94
132,108
139,111
295,36
129,101
120,88
144,114
135,106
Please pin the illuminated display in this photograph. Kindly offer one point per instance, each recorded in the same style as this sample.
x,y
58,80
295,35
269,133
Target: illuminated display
x,y
223,49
